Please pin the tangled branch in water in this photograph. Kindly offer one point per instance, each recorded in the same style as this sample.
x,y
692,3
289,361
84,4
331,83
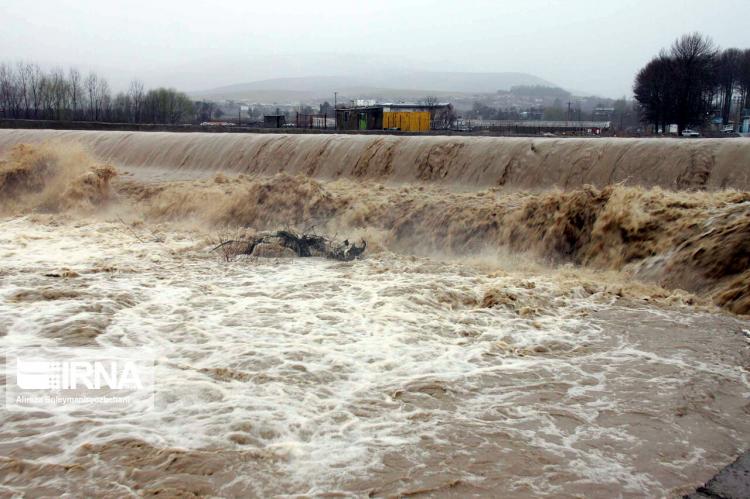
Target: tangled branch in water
x,y
303,245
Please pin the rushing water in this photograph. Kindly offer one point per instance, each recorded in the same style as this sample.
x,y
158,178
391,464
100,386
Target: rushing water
x,y
385,375
519,163
492,342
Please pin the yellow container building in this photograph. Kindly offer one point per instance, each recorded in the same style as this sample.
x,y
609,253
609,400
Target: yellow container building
x,y
407,121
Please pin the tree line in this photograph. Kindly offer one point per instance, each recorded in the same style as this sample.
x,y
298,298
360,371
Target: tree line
x,y
691,82
28,92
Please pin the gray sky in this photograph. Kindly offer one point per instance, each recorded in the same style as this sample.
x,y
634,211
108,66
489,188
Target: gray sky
x,y
582,45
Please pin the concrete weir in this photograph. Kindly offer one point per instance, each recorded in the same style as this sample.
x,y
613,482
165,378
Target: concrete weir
x,y
482,162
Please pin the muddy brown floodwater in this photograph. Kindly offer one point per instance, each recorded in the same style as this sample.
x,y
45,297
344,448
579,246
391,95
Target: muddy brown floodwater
x,y
493,342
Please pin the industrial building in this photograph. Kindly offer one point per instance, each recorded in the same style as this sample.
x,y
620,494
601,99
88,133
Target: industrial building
x,y
406,117
274,120
359,118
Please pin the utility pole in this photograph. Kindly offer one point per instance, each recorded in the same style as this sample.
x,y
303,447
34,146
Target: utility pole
x,y
335,114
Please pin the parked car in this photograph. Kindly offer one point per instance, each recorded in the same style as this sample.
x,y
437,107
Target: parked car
x,y
690,133
729,130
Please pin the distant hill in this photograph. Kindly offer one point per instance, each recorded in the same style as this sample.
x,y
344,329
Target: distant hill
x,y
465,82
390,84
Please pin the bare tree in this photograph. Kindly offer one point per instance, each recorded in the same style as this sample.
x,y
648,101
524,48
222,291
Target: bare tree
x,y
122,108
10,99
91,84
694,65
103,99
744,77
430,101
75,91
58,89
47,97
22,85
35,80
653,91
729,76
136,94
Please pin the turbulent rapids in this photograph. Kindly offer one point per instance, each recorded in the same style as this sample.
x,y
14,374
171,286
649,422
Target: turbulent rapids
x,y
537,316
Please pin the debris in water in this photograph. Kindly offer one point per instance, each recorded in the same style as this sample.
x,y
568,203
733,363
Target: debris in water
x,y
302,245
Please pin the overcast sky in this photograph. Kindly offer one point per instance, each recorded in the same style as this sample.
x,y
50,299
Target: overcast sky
x,y
593,46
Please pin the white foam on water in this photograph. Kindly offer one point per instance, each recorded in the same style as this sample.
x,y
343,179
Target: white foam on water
x,y
333,368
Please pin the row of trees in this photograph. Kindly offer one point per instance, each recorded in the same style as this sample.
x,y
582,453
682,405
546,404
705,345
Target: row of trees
x,y
692,81
26,91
